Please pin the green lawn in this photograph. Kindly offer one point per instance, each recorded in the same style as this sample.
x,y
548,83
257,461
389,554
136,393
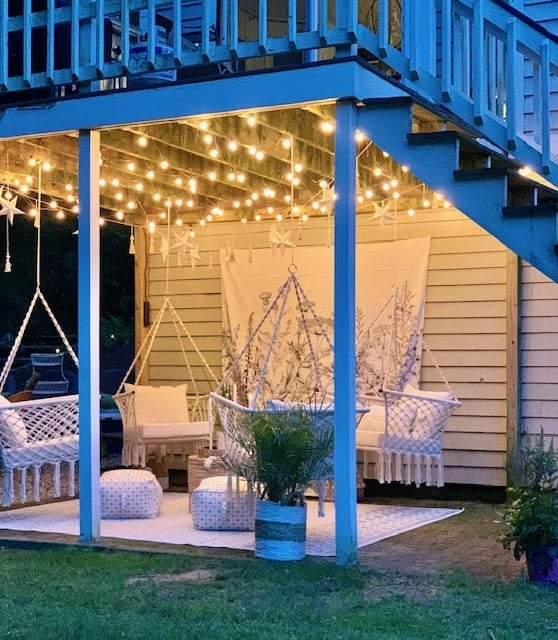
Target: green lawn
x,y
87,593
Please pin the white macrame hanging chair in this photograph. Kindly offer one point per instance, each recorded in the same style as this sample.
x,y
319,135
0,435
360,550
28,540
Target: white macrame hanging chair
x,y
404,433
193,425
37,432
240,395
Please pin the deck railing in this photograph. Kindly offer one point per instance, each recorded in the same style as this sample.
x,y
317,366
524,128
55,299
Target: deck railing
x,y
480,59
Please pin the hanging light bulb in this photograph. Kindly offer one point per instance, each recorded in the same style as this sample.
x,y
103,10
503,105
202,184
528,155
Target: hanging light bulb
x,y
8,265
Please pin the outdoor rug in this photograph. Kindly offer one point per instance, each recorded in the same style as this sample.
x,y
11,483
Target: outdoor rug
x,y
174,524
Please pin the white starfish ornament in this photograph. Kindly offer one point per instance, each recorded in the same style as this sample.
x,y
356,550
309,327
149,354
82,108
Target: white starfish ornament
x,y
381,212
280,240
9,208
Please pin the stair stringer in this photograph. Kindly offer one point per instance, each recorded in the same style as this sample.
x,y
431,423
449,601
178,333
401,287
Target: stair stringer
x,y
532,237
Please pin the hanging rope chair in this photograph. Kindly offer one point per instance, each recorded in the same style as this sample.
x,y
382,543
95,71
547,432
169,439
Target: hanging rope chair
x,y
403,434
164,415
37,432
254,382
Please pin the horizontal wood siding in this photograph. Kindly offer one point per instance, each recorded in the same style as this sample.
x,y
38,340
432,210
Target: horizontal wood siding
x,y
465,323
539,353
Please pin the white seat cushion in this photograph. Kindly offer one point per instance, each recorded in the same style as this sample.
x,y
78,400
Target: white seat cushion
x,y
174,430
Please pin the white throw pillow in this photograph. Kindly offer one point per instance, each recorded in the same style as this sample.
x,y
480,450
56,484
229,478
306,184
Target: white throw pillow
x,y
164,404
12,426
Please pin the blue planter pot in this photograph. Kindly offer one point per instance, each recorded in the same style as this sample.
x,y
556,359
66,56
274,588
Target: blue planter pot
x,y
542,564
280,531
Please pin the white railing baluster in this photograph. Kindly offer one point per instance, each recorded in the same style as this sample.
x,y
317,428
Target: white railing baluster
x,y
446,57
75,47
323,20
125,34
4,50
479,63
233,21
100,38
511,62
291,23
410,37
206,25
27,52
545,105
352,19
383,27
50,37
151,32
177,31
262,26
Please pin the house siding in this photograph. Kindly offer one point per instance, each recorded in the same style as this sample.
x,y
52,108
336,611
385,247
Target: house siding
x,y
465,322
539,353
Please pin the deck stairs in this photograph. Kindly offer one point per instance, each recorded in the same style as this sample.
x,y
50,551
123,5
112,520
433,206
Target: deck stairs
x,y
484,183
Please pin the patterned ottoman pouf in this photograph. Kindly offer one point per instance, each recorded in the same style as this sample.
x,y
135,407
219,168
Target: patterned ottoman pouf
x,y
130,493
222,503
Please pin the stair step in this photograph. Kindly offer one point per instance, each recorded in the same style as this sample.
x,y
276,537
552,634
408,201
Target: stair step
x,y
538,210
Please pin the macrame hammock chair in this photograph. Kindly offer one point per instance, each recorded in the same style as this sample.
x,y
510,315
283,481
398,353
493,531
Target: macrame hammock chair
x,y
248,388
43,431
165,415
403,434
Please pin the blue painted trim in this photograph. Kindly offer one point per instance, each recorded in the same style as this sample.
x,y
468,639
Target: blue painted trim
x,y
315,82
344,352
88,335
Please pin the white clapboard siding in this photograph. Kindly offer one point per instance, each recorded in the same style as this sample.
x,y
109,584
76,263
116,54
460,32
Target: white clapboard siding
x,y
539,353
465,320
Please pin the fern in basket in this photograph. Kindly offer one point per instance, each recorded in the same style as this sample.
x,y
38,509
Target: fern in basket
x,y
281,453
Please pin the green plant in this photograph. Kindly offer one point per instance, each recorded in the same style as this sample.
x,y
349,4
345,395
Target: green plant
x,y
531,519
281,453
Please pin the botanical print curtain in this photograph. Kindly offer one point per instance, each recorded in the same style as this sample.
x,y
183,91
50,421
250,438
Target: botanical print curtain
x,y
286,346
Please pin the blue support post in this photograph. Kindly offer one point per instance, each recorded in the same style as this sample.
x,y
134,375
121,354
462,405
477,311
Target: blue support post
x,y
344,333
88,335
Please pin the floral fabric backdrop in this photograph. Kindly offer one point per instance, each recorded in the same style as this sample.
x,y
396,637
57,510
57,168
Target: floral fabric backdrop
x,y
279,346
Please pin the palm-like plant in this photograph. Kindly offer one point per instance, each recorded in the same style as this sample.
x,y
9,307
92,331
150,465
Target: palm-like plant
x,y
280,452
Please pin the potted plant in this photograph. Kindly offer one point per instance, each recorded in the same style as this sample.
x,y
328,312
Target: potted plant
x,y
281,453
530,521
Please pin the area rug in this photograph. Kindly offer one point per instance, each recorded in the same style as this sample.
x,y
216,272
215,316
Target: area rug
x,y
174,524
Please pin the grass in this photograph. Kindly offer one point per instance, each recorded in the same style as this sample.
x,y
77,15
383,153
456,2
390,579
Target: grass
x,y
87,593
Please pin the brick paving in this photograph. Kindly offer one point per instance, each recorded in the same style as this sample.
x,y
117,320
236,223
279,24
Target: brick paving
x,y
467,541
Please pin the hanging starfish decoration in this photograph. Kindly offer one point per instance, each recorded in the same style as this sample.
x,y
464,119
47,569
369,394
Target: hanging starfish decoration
x,y
9,208
280,240
381,212
183,245
327,199
194,255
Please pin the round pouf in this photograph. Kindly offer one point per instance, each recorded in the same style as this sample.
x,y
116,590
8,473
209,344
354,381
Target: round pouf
x,y
130,493
223,503
280,531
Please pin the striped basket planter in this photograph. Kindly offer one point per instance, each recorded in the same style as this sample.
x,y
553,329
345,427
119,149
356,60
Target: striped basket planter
x,y
280,531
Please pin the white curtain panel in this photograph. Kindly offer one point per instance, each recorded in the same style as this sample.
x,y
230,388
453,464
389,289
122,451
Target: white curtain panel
x,y
291,346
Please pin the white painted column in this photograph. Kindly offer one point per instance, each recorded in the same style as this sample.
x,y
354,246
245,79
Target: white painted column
x,y
344,352
88,335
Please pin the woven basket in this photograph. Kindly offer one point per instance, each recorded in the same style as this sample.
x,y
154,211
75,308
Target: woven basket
x,y
280,531
197,471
